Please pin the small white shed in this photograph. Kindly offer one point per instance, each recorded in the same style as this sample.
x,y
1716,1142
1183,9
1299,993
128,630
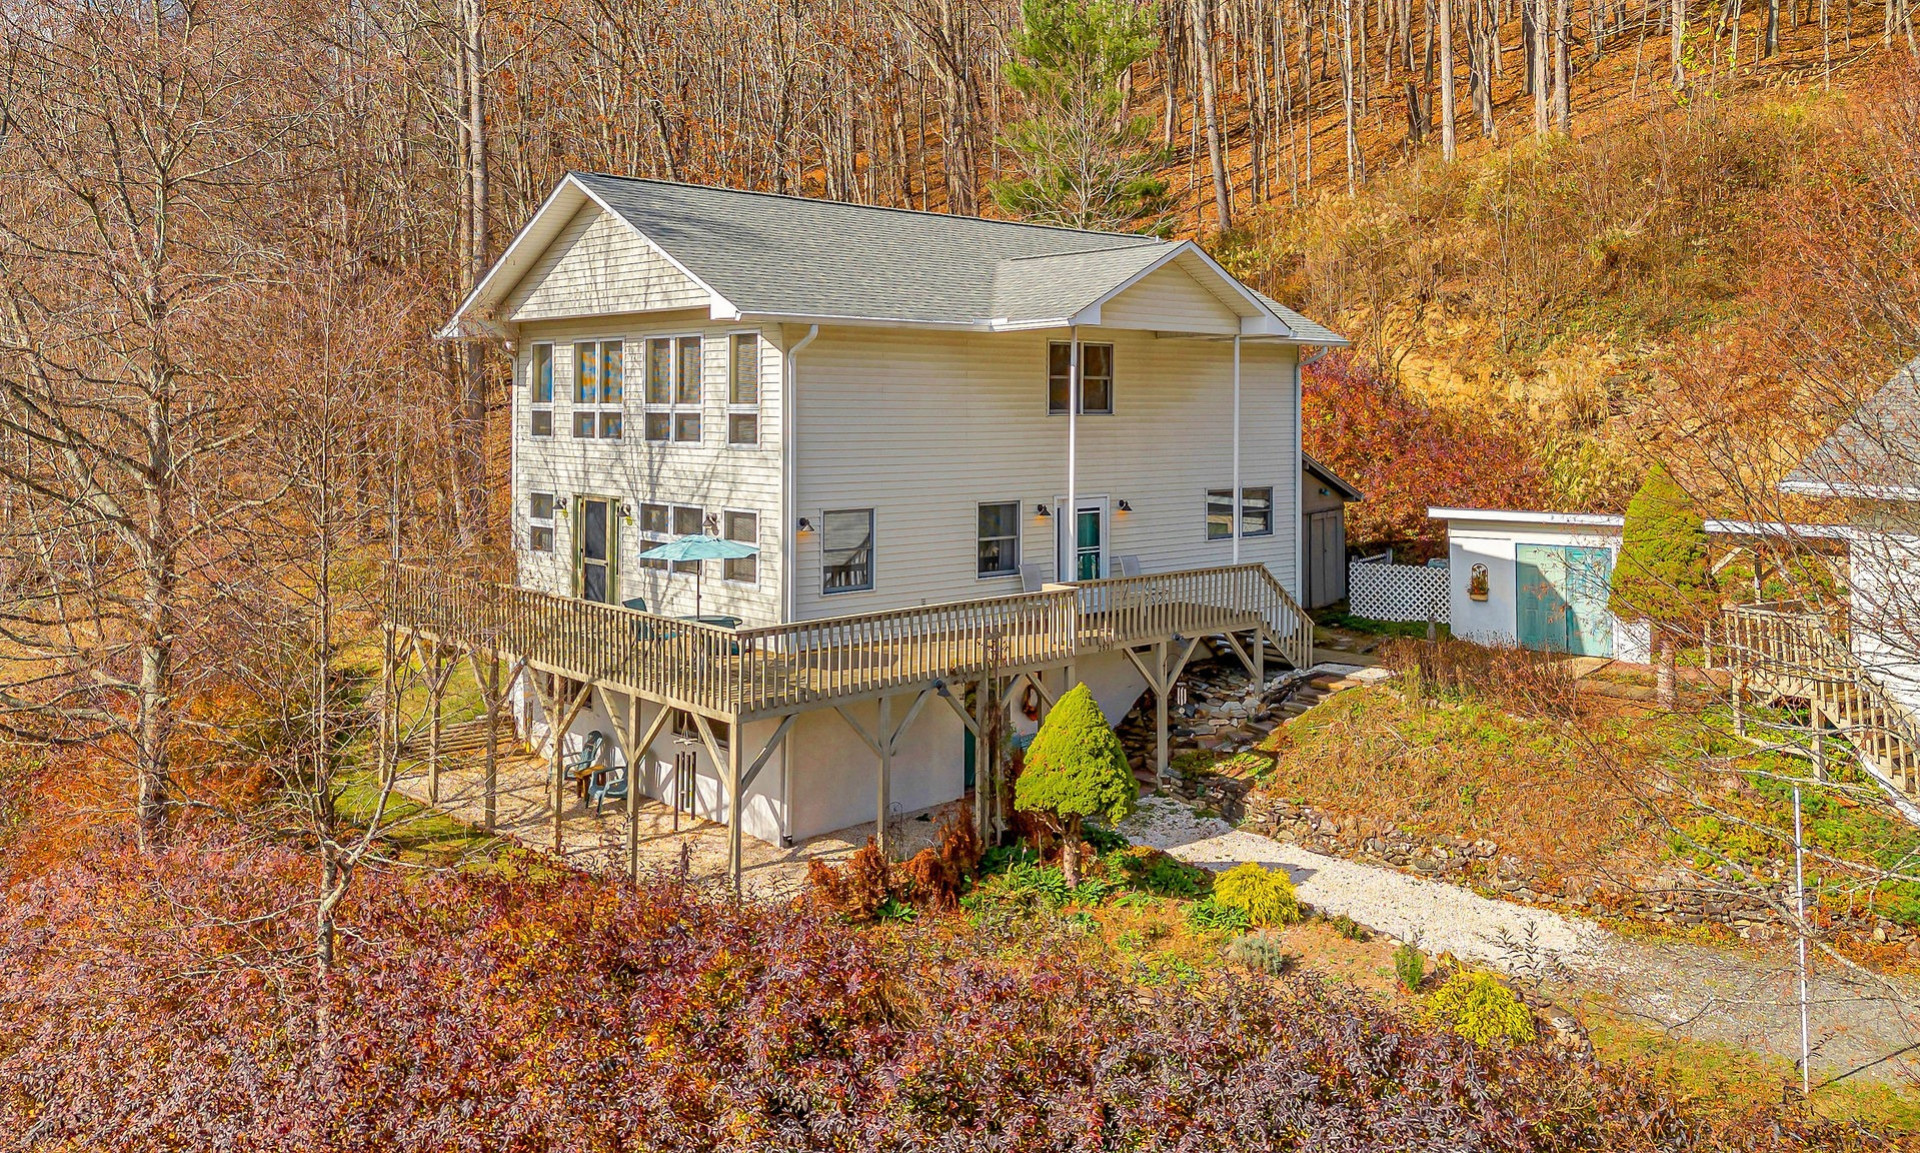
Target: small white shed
x,y
1537,579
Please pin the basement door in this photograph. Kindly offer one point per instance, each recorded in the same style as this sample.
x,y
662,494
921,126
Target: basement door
x,y
1560,594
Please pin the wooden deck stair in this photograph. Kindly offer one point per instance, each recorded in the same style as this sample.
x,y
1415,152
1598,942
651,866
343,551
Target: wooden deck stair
x,y
1783,650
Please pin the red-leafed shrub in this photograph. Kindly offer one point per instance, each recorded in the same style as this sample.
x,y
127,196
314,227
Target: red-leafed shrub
x,y
161,1004
936,876
856,889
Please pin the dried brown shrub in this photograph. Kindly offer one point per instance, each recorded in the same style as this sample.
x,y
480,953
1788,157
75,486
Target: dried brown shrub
x,y
1520,681
936,876
857,889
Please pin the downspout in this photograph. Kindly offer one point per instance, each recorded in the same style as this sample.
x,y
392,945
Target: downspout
x,y
1236,449
789,537
1067,533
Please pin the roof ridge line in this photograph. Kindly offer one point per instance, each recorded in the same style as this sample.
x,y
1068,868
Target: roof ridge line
x,y
852,204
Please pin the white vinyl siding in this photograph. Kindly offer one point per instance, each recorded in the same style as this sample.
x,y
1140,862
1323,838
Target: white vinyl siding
x,y
709,476
1168,298
597,266
958,415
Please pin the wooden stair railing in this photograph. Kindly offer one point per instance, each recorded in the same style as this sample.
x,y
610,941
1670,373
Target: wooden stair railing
x,y
1784,649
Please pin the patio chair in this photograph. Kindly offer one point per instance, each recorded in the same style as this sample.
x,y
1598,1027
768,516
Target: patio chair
x,y
612,787
583,764
1032,578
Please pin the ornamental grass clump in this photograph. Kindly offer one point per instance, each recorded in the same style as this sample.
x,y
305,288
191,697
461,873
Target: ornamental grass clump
x,y
1478,1007
1075,772
1266,896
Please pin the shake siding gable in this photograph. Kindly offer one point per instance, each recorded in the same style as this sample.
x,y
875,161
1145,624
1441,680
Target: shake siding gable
x,y
713,475
1168,298
597,266
924,427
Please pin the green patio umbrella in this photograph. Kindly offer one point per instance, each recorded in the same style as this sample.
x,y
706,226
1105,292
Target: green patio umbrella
x,y
700,548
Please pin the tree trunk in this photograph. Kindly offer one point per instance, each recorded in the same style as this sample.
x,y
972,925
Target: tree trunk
x,y
1216,153
1664,694
470,411
1446,80
1678,20
1542,35
1070,853
1563,67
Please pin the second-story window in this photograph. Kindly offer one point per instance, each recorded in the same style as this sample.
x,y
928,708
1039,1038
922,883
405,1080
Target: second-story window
x,y
599,389
540,404
674,394
1096,377
745,528
743,389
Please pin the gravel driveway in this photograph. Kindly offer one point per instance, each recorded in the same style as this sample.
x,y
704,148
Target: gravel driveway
x,y
1694,991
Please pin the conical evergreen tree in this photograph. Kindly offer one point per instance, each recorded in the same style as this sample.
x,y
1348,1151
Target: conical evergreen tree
x,y
1075,771
1662,576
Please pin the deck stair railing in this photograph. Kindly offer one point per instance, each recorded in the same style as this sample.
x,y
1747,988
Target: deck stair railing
x,y
1786,649
758,671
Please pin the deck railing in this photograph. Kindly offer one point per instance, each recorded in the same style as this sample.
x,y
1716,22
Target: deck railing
x,y
760,670
1787,649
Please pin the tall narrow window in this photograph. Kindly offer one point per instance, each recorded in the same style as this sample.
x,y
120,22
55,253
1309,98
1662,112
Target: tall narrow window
x,y
540,406
745,528
846,550
673,394
1096,377
540,521
999,540
743,390
688,520
1256,511
599,389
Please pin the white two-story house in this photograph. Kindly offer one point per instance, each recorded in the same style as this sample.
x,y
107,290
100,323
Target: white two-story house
x,y
906,413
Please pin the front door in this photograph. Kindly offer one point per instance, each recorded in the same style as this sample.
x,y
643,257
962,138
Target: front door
x,y
1083,541
594,550
1560,596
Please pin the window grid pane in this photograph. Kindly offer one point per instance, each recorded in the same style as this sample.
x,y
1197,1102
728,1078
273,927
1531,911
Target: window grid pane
x,y
743,527
609,426
659,426
1219,513
1096,377
743,428
541,538
686,426
1256,511
612,390
687,390
540,506
543,374
586,374
542,422
659,371
746,369
583,425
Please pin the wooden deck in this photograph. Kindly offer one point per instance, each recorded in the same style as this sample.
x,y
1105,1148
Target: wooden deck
x,y
1783,649
745,674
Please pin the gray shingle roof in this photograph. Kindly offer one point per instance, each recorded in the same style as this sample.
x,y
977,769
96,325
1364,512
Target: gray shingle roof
x,y
786,255
1875,453
1307,330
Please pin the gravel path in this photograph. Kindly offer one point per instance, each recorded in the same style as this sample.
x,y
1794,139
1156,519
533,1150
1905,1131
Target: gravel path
x,y
1439,918
1692,991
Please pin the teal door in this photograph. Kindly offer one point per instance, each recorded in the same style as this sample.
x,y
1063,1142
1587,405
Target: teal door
x,y
1560,595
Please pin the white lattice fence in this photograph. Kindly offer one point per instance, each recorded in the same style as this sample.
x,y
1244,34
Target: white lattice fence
x,y
1396,592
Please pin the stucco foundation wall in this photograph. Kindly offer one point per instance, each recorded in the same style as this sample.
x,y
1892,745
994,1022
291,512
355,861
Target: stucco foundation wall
x,y
835,778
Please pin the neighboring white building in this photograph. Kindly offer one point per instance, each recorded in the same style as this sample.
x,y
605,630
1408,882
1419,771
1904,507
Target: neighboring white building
x,y
1546,577
879,400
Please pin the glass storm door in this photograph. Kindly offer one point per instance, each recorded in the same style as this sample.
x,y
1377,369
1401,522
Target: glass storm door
x,y
1084,555
593,558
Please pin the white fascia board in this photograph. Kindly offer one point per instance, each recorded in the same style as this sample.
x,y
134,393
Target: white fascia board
x,y
1841,489
457,325
1782,528
1515,516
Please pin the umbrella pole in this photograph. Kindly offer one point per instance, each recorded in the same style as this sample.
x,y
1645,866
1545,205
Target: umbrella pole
x,y
699,570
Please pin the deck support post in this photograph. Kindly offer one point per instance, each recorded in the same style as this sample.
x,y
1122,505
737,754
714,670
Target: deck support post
x,y
637,755
734,806
1169,659
886,775
1161,751
561,713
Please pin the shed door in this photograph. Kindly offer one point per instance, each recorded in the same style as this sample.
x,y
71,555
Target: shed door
x,y
1326,561
1560,594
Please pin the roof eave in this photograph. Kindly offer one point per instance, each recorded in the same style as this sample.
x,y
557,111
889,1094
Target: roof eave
x,y
1832,489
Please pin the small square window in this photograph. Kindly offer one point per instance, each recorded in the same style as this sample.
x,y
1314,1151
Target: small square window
x,y
686,426
659,426
610,425
743,428
583,425
653,518
1219,514
540,538
688,520
540,506
542,422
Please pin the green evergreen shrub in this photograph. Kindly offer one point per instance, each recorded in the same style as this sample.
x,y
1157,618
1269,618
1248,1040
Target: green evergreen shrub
x,y
1266,896
1075,772
1478,1007
1662,575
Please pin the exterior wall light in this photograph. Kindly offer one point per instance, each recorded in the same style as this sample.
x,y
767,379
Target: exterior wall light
x,y
1125,507
1042,511
805,525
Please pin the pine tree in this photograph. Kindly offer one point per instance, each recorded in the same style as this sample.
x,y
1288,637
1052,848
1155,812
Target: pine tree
x,y
1083,162
1075,771
1662,576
